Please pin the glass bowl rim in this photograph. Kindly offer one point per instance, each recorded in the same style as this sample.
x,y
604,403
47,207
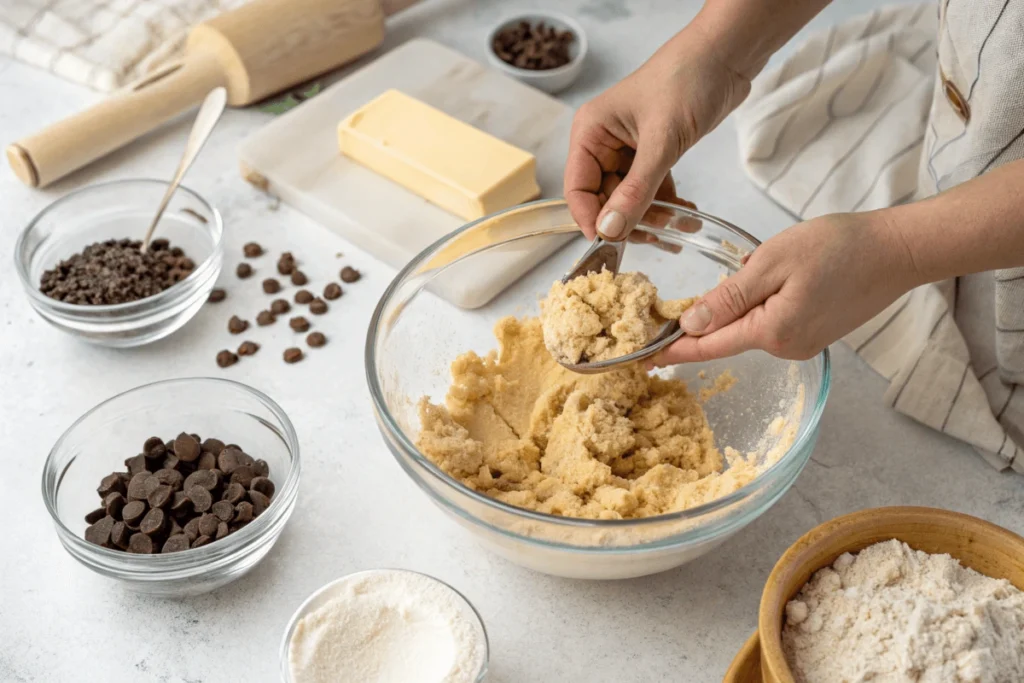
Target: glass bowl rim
x,y
805,435
194,557
289,629
156,301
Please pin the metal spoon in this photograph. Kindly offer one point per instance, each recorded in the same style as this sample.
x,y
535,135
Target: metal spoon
x,y
604,255
206,119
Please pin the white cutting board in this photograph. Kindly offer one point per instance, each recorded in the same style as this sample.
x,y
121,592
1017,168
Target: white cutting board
x,y
298,155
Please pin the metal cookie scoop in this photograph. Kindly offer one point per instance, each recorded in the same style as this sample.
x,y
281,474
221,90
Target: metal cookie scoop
x,y
608,255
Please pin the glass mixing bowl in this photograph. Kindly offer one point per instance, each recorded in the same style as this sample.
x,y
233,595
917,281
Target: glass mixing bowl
x,y
773,410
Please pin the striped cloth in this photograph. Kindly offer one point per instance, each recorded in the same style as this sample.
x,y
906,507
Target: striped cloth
x,y
887,108
103,44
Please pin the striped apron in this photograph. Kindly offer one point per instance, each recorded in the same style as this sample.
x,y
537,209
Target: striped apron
x,y
891,107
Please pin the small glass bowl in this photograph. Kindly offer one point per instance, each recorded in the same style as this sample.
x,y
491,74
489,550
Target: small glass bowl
x,y
326,592
120,209
97,443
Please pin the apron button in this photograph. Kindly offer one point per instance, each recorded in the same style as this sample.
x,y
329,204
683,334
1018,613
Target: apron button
x,y
956,100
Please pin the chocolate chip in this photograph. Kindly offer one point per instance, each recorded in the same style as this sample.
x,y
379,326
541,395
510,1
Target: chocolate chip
x,y
299,324
150,484
133,512
350,274
259,503
217,295
137,486
174,528
318,306
303,296
153,522
101,512
160,497
243,475
136,464
332,291
201,541
200,497
316,339
169,477
260,468
237,326
248,348
252,250
243,270
243,513
176,543
292,355
264,318
186,448
244,459
180,502
223,510
99,533
207,479
171,462
227,461
299,278
222,531
286,263
226,359
272,286
191,528
234,493
141,544
110,484
208,525
113,503
214,446
154,444
119,534
280,306
206,461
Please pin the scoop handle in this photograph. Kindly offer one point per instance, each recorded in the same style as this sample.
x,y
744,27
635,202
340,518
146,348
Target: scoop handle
x,y
139,108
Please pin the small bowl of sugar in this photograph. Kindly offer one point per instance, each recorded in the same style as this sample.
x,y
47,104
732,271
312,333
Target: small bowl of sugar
x,y
385,625
854,595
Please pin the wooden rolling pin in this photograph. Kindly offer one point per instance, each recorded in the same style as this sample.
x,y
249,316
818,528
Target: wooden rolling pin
x,y
254,51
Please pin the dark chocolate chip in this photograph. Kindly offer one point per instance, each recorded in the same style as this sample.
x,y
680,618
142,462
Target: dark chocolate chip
x,y
136,464
201,541
227,461
272,286
137,486
280,306
114,503
243,475
244,512
252,250
226,358
214,446
186,448
299,278
207,461
286,264
292,355
191,528
207,479
248,348
332,291
264,318
200,497
316,339
141,544
303,296
110,484
208,525
222,531
99,533
153,443
160,497
350,274
263,485
119,534
180,503
151,484
299,324
243,270
217,295
133,512
259,503
176,543
260,468
317,306
236,325
97,514
153,522
171,462
172,478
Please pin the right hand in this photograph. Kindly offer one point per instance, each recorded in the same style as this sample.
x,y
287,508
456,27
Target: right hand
x,y
625,141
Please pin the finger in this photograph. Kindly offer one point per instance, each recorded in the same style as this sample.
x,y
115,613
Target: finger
x,y
634,194
582,182
732,299
739,336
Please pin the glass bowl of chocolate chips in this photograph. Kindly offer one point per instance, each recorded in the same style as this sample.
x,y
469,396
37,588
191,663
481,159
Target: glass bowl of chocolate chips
x,y
174,488
83,268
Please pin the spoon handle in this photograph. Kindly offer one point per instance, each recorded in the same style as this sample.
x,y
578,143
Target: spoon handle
x,y
206,119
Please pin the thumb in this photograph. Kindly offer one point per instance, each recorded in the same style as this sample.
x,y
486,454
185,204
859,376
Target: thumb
x,y
633,196
730,300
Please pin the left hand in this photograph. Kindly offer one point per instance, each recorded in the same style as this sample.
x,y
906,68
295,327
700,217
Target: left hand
x,y
800,291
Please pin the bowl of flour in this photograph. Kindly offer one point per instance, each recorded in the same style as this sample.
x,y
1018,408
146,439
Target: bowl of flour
x,y
896,594
385,626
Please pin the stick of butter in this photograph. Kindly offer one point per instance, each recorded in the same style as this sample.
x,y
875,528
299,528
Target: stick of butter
x,y
442,159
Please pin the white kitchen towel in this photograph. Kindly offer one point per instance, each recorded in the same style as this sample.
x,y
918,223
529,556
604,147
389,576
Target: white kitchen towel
x,y
103,44
891,107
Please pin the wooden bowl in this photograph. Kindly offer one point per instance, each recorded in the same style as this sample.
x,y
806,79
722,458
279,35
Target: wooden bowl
x,y
984,547
746,667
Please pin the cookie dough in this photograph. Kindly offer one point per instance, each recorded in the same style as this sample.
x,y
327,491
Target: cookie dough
x,y
519,427
598,316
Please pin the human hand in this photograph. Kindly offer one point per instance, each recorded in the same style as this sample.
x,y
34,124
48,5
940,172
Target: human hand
x,y
800,291
625,141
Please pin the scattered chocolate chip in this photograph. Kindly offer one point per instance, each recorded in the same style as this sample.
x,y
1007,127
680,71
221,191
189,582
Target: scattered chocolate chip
x,y
299,324
226,358
292,355
316,339
349,274
176,543
141,544
264,318
272,286
186,447
303,296
317,306
243,270
533,46
280,306
332,291
252,250
217,295
236,325
248,348
299,278
286,264
153,522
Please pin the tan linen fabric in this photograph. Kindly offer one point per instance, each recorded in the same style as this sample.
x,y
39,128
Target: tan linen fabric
x,y
103,44
890,107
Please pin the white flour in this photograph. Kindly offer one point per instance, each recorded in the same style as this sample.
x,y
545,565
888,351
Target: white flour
x,y
387,627
893,614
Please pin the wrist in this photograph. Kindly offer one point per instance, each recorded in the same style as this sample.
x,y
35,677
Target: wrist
x,y
901,260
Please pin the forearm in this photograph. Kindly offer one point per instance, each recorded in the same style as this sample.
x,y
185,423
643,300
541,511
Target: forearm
x,y
744,34
971,228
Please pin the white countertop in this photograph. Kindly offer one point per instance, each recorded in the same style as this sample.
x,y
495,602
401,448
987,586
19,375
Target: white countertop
x,y
60,622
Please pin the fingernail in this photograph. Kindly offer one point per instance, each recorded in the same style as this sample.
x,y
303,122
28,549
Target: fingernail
x,y
696,318
612,225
